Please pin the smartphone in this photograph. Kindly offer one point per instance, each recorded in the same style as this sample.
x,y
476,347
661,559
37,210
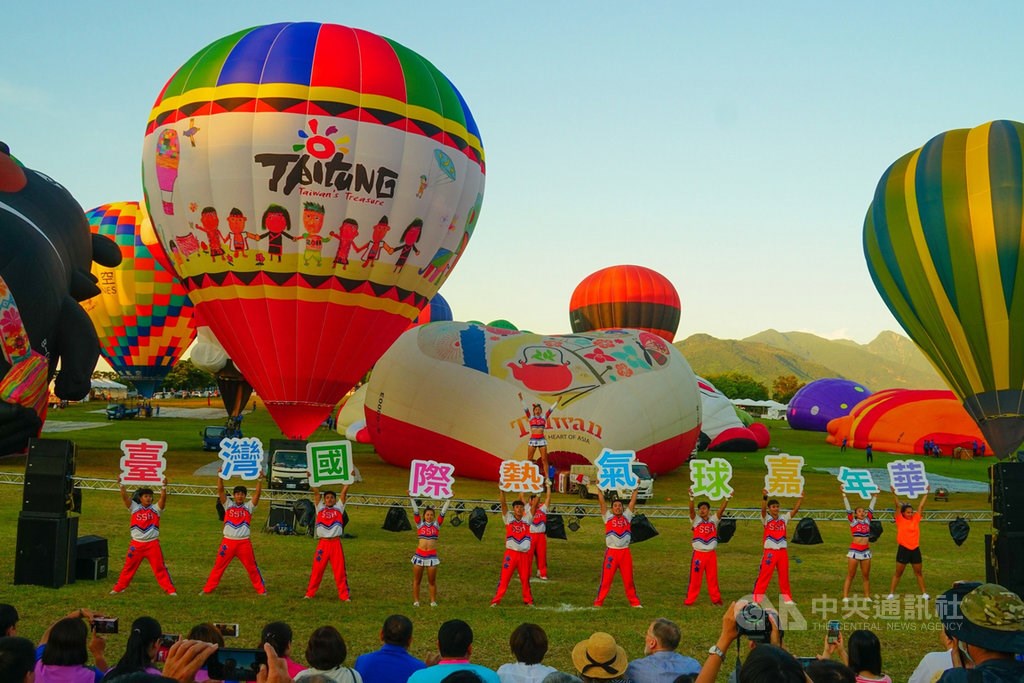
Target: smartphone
x,y
227,630
832,634
104,625
235,664
805,661
164,644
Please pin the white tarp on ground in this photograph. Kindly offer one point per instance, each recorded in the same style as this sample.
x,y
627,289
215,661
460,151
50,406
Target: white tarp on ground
x,y
773,410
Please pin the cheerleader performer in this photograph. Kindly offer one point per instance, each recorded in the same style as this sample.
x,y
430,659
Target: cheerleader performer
x,y
538,421
860,549
428,528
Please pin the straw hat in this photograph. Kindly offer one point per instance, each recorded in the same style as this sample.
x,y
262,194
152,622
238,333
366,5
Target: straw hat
x,y
599,656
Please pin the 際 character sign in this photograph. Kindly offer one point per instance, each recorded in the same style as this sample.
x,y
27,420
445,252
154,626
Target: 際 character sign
x,y
711,478
431,479
330,462
143,461
784,476
519,476
242,457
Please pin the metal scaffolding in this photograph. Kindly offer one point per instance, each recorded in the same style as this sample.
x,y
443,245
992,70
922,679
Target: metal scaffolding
x,y
579,509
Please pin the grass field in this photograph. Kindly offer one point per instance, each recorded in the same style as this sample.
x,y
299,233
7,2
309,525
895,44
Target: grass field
x,y
380,576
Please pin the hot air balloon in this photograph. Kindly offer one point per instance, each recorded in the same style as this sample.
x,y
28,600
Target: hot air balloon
x,y
823,400
143,316
452,389
437,310
314,186
625,296
944,243
208,354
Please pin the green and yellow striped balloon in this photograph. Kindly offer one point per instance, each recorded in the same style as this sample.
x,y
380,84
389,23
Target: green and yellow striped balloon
x,y
944,242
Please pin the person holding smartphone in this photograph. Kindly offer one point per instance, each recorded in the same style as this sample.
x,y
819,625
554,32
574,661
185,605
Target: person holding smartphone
x,y
145,533
236,542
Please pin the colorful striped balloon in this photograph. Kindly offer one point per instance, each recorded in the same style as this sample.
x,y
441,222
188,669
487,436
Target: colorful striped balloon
x,y
143,316
944,242
314,185
625,297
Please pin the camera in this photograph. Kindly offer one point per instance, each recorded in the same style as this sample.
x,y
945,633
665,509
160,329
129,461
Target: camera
x,y
164,645
227,630
104,624
753,622
235,664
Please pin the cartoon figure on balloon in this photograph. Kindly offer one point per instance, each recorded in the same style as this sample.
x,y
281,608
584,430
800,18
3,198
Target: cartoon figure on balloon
x,y
313,222
209,223
276,224
422,188
408,243
347,233
376,244
239,238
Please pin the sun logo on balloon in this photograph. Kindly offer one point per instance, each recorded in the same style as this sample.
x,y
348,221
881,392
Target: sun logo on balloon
x,y
320,146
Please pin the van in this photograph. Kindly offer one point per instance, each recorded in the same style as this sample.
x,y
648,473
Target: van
x,y
583,481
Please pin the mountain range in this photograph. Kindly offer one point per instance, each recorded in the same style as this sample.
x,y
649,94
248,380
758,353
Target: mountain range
x,y
889,361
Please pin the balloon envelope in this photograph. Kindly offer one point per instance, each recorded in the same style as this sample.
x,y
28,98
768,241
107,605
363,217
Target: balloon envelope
x,y
625,297
816,403
944,243
451,389
314,185
143,316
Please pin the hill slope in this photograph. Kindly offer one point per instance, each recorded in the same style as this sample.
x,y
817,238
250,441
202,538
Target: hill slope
x,y
888,361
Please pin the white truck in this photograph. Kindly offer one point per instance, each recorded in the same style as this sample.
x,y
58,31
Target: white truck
x,y
583,481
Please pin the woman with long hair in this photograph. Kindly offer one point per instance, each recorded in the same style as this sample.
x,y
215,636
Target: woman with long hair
x,y
140,651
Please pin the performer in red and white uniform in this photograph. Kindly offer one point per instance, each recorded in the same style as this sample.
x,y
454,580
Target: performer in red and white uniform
x,y
517,549
704,561
428,529
538,421
860,549
330,527
617,535
145,545
775,554
538,516
236,543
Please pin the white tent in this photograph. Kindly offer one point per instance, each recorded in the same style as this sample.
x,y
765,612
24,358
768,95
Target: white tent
x,y
106,387
772,410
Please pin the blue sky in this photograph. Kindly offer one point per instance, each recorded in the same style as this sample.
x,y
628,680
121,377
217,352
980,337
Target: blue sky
x,y
733,147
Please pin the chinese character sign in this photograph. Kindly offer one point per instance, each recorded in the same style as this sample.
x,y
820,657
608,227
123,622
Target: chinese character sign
x,y
143,461
615,470
784,476
330,462
908,478
857,481
430,479
519,476
711,478
241,457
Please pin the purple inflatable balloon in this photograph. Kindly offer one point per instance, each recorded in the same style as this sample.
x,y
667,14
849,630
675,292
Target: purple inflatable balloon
x,y
822,400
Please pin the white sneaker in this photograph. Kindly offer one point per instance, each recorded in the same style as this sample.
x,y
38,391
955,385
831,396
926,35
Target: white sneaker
x,y
433,604
846,599
890,596
174,594
638,606
416,604
926,596
116,592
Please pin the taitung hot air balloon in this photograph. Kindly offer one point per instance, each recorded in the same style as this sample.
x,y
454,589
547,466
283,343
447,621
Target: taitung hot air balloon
x,y
944,242
625,297
143,315
314,186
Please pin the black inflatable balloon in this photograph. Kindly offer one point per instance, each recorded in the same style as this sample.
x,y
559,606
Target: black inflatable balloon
x,y
46,255
234,389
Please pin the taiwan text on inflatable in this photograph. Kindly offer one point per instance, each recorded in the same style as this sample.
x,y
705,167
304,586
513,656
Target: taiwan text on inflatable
x,y
143,316
451,390
944,245
313,185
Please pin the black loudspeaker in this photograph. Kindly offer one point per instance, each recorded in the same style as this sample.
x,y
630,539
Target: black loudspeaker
x,y
1005,560
92,546
1007,504
49,477
282,518
45,553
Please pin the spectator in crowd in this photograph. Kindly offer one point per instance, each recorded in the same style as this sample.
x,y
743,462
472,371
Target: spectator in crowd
x,y
17,660
455,645
561,677
829,671
65,653
205,633
600,658
661,663
279,635
765,660
529,644
140,651
864,656
8,621
934,663
463,676
326,652
988,628
685,678
392,663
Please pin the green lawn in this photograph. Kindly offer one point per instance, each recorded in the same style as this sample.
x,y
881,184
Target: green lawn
x,y
379,570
